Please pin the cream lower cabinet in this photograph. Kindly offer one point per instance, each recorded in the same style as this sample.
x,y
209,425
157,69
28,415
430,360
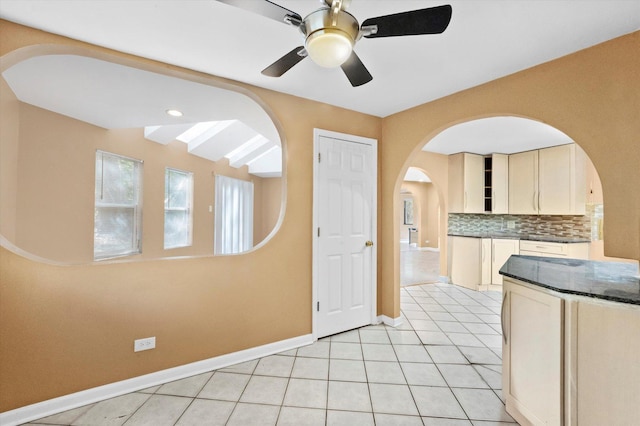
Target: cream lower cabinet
x,y
547,249
569,360
532,355
469,262
501,250
604,365
475,262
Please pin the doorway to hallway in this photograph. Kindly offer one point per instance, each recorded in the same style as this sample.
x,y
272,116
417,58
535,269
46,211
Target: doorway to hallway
x,y
418,265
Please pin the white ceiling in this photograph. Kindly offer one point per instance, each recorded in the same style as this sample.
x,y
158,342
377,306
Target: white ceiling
x,y
486,39
504,135
220,123
115,96
416,175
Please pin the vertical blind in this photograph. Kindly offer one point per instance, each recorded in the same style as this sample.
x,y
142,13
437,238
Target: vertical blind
x,y
233,215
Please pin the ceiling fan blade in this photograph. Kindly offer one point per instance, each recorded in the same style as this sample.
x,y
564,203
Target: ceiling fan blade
x,y
285,63
355,71
433,20
268,9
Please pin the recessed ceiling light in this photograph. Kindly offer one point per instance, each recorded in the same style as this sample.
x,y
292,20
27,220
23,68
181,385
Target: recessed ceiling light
x,y
174,113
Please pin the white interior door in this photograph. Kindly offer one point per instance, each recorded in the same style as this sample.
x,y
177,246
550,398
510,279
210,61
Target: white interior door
x,y
344,227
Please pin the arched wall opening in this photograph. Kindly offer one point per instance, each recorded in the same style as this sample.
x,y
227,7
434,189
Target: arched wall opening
x,y
62,105
435,162
421,206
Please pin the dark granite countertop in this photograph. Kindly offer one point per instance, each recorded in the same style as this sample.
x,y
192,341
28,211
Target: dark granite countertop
x,y
505,235
616,281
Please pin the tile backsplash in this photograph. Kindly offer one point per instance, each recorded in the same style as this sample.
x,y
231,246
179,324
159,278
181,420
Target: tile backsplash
x,y
556,226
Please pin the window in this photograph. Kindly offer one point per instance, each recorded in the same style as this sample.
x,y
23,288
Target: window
x,y
234,215
178,215
118,206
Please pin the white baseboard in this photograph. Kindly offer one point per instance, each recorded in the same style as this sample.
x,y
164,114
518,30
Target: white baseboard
x,y
393,322
100,393
443,279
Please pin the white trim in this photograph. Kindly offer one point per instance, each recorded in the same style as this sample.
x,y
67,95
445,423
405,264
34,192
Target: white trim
x,y
444,279
392,322
100,393
317,133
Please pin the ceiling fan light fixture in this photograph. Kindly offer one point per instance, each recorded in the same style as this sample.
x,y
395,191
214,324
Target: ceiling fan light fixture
x,y
329,37
328,48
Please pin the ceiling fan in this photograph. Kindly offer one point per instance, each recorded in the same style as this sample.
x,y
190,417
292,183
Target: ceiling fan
x,y
331,32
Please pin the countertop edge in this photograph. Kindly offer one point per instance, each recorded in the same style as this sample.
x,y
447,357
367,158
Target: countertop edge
x,y
612,281
542,239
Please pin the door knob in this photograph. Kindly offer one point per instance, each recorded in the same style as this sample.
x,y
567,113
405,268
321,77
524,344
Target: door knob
x,y
368,243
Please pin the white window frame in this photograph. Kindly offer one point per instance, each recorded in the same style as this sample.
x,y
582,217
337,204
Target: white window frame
x,y
188,209
135,206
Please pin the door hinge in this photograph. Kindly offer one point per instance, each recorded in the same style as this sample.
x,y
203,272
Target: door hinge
x,y
318,157
318,232
318,306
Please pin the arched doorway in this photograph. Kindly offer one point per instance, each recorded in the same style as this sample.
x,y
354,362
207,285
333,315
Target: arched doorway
x,y
506,135
419,229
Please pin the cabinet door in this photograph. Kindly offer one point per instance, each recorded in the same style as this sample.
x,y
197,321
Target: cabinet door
x,y
501,250
523,183
466,183
500,183
532,354
561,180
465,261
486,262
473,183
608,364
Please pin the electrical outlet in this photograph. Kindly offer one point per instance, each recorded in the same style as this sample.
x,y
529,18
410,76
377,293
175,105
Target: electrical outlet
x,y
511,224
144,344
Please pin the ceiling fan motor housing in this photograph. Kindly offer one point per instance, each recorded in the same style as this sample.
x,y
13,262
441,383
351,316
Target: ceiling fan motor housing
x,y
330,36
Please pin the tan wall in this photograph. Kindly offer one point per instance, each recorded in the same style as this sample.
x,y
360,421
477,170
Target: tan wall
x,y
426,206
268,210
9,131
591,95
56,175
68,328
64,329
596,196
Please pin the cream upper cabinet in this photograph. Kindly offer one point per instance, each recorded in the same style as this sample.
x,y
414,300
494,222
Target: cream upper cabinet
x,y
532,356
550,181
499,183
561,180
523,183
466,183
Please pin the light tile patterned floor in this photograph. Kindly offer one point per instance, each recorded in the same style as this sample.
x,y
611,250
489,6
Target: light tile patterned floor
x,y
442,367
418,265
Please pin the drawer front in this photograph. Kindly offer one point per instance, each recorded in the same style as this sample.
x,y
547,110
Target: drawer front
x,y
544,247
